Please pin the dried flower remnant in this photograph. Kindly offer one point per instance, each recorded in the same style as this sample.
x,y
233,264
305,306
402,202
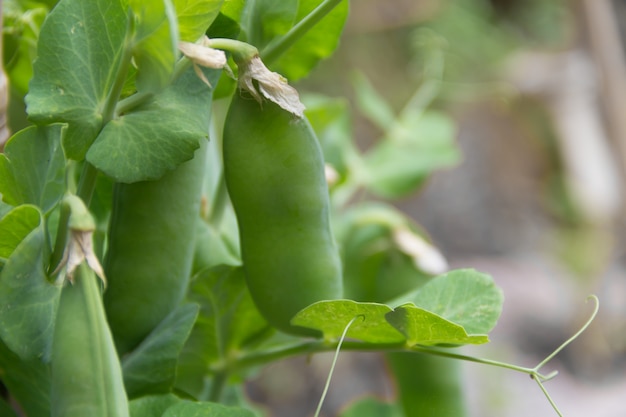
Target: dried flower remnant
x,y
203,55
425,256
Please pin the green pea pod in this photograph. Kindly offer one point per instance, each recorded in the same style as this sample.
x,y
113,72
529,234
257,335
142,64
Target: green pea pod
x,y
150,250
274,172
86,376
428,386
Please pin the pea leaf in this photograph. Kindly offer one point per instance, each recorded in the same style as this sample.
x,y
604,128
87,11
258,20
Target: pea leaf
x,y
156,136
151,367
155,48
264,20
79,53
318,43
422,327
372,104
372,407
332,317
6,410
464,296
415,146
28,302
195,17
228,322
152,405
28,382
14,227
32,168
205,409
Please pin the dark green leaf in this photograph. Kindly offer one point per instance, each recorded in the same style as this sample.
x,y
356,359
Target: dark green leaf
x,y
422,327
28,302
195,16
264,20
27,381
158,135
464,296
14,227
152,405
228,322
332,317
151,367
156,43
6,410
32,168
318,43
79,53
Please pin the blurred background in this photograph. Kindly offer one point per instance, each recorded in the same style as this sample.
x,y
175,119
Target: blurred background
x,y
537,93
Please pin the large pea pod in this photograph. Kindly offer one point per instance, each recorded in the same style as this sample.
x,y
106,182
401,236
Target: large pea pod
x,y
274,171
150,249
86,376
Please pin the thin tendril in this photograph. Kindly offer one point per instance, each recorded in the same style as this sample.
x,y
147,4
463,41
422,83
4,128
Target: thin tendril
x,y
332,367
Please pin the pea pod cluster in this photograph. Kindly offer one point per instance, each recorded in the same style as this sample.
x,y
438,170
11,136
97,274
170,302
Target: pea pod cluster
x,y
274,171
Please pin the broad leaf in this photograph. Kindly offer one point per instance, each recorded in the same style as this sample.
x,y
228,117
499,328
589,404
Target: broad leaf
x,y
14,227
318,43
422,327
156,136
416,146
28,381
372,407
205,409
6,410
464,296
32,168
28,302
152,405
195,17
332,317
155,48
228,322
79,53
264,20
151,367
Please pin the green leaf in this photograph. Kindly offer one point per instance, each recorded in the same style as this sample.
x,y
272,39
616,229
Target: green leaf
x,y
151,367
371,104
32,168
28,302
6,410
152,405
318,43
372,407
205,409
416,146
156,136
27,381
422,327
195,17
264,20
155,48
79,53
464,296
332,317
228,322
14,227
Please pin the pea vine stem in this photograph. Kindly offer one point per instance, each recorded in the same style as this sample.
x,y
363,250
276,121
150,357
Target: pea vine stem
x,y
276,49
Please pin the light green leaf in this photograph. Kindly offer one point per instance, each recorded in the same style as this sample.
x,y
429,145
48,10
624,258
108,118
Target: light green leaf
x,y
464,296
205,409
151,367
152,405
372,407
416,146
32,168
195,17
264,20
155,48
27,381
14,227
228,322
28,302
158,135
372,104
318,43
332,317
79,52
422,327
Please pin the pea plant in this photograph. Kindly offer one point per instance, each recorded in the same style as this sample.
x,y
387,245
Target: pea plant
x,y
173,216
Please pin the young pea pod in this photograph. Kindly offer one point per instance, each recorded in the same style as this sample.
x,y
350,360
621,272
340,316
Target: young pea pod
x,y
150,250
274,172
86,374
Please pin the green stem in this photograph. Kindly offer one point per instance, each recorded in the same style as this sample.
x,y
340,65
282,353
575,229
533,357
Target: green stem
x,y
217,386
275,50
241,51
